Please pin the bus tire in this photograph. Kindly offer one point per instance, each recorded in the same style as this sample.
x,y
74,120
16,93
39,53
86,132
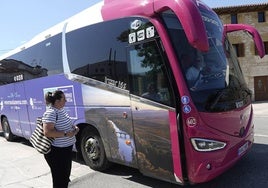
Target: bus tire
x,y
92,150
9,136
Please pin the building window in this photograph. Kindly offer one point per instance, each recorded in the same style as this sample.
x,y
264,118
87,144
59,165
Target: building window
x,y
265,48
234,18
239,49
261,17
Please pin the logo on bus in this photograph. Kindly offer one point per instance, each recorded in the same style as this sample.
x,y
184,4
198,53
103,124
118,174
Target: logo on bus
x,y
140,34
185,100
191,122
136,24
186,109
18,78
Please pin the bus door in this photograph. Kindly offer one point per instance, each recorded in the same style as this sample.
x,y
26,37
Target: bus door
x,y
151,105
21,108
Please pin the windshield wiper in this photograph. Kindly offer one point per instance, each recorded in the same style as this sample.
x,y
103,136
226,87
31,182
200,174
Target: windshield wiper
x,y
231,95
211,105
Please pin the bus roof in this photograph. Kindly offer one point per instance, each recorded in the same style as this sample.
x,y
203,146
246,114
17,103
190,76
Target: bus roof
x,y
185,10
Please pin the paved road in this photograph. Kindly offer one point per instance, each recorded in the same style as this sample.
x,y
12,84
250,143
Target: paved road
x,y
22,167
250,172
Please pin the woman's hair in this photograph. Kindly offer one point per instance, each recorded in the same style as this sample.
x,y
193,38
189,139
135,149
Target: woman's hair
x,y
51,97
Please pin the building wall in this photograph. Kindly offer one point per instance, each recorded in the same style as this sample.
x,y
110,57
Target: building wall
x,y
252,65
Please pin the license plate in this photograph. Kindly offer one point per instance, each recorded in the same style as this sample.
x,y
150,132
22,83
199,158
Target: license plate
x,y
243,148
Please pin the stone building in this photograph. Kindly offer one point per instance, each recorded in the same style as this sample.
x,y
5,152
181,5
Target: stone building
x,y
255,69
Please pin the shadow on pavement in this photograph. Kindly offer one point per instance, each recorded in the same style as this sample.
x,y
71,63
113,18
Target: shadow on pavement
x,y
76,156
249,172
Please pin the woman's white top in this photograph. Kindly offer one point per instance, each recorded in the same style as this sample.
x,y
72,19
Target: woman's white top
x,y
62,123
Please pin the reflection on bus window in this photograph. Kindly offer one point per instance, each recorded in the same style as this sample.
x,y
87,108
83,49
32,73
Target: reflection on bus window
x,y
148,73
106,59
12,70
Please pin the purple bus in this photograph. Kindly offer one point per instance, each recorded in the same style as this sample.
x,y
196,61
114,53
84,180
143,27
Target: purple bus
x,y
155,86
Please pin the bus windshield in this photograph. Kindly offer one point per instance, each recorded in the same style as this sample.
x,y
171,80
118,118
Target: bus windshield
x,y
214,78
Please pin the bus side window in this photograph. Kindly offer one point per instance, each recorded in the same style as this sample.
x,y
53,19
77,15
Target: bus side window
x,y
147,73
100,55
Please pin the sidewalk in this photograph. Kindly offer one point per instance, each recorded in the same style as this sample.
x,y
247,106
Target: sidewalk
x,y
260,108
21,167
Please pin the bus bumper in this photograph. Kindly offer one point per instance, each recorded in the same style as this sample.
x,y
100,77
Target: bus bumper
x,y
212,164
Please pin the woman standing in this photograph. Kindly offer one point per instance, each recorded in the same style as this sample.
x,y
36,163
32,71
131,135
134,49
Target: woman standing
x,y
58,125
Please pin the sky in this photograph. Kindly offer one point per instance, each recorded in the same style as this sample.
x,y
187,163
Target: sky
x,y
227,3
21,20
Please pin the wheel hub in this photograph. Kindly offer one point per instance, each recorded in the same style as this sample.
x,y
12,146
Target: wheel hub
x,y
92,148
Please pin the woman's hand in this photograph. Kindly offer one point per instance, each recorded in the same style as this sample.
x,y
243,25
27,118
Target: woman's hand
x,y
73,133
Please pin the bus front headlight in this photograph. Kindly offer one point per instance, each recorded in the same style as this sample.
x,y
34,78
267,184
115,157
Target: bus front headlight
x,y
201,144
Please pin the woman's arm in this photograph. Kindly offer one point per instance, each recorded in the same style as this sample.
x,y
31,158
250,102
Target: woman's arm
x,y
50,131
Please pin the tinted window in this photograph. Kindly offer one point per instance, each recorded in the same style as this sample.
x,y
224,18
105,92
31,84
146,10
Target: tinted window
x,y
219,84
39,60
148,74
99,51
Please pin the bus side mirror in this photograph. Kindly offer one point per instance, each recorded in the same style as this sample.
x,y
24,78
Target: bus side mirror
x,y
249,29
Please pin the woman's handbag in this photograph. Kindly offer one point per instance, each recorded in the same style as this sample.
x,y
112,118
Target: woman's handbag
x,y
39,141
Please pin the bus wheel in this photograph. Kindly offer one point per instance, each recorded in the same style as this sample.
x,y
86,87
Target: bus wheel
x,y
9,136
93,150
